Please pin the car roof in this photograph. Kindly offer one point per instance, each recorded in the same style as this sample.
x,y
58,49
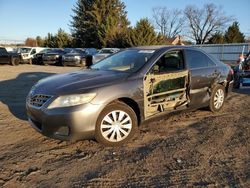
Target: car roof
x,y
159,47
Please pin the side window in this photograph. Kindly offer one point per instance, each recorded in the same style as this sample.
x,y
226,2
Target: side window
x,y
169,62
33,52
197,59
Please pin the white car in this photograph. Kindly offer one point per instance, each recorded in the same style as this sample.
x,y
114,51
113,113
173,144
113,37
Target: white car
x,y
27,53
104,52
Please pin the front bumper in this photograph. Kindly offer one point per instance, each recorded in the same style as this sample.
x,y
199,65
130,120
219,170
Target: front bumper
x,y
50,62
75,62
69,123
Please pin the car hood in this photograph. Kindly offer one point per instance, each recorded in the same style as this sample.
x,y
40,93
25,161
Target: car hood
x,y
77,82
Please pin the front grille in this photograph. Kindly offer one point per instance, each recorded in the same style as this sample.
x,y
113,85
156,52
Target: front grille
x,y
70,58
38,100
49,58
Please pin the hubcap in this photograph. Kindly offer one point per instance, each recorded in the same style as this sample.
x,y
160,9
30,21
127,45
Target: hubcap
x,y
116,126
218,98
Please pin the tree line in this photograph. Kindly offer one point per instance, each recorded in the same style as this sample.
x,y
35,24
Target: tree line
x,y
104,23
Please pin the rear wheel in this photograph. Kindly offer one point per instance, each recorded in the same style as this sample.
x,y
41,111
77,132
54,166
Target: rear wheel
x,y
116,125
217,98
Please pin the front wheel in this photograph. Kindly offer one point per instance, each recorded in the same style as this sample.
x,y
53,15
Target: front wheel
x,y
116,124
217,98
14,61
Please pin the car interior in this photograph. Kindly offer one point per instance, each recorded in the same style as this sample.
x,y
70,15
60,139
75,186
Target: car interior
x,y
165,87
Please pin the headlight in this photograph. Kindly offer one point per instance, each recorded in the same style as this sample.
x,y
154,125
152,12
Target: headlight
x,y
77,57
72,100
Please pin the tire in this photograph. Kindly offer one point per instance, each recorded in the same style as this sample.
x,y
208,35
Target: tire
x,y
236,85
217,98
14,61
122,115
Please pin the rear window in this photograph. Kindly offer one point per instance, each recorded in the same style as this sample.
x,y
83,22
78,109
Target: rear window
x,y
197,59
106,51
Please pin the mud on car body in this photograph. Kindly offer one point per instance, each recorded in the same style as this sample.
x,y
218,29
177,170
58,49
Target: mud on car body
x,y
108,101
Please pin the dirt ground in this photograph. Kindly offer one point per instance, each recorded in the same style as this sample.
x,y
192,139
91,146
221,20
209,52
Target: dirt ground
x,y
191,149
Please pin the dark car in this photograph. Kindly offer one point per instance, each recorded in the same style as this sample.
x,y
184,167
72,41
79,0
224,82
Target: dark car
x,y
77,57
6,57
108,101
54,56
38,58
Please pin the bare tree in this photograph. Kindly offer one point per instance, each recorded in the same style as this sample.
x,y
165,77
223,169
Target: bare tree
x,y
31,42
204,22
168,22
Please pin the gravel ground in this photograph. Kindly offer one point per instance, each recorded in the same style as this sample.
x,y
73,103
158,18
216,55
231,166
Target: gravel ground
x,y
191,149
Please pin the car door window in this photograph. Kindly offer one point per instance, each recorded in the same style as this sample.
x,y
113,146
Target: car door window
x,y
197,59
169,62
165,86
33,52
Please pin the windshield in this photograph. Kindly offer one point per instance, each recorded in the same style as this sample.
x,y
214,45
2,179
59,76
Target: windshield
x,y
56,51
126,61
25,50
106,51
79,51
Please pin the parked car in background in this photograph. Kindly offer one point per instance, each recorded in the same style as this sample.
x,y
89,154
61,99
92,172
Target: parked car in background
x,y
9,49
242,72
77,57
108,101
54,56
38,58
8,57
105,52
27,53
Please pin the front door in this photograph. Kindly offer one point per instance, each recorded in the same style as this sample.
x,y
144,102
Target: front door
x,y
166,84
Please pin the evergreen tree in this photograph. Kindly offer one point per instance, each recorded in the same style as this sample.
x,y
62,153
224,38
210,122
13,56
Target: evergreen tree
x,y
62,39
99,23
40,41
233,34
111,20
217,38
49,41
84,35
142,34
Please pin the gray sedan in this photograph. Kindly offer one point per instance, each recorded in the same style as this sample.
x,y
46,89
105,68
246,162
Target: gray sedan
x,y
112,98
